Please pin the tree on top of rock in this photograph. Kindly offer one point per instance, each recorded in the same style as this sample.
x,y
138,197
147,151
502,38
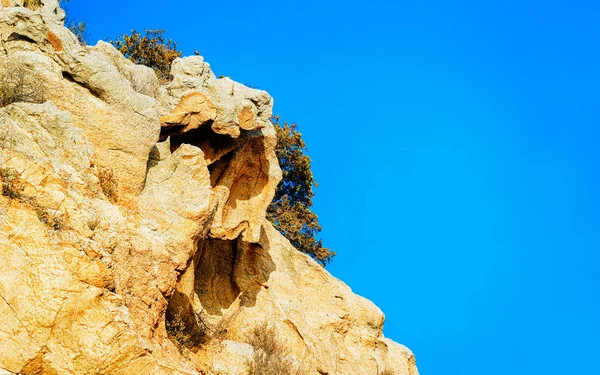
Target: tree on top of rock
x,y
290,212
151,49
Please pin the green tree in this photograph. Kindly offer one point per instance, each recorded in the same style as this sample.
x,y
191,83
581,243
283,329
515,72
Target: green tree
x,y
150,49
290,212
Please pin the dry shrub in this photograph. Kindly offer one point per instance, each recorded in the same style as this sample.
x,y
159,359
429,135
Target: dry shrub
x,y
177,330
18,84
5,138
271,356
79,28
189,330
50,220
108,184
151,49
387,372
10,183
32,4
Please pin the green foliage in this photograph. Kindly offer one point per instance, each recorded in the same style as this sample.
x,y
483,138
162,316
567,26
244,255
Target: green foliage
x,y
290,212
150,49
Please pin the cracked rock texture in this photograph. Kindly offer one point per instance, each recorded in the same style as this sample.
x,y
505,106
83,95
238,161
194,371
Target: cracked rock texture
x,y
133,237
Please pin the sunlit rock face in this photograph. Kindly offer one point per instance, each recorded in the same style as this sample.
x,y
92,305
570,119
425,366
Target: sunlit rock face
x,y
133,237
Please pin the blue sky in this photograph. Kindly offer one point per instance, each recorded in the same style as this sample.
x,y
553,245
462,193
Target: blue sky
x,y
457,149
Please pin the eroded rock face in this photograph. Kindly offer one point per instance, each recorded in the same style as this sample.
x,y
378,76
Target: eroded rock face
x,y
89,84
128,207
231,124
63,305
239,286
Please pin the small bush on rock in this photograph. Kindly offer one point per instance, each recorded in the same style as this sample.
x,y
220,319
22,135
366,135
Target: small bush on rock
x,y
77,27
188,332
50,220
151,49
32,4
177,330
18,84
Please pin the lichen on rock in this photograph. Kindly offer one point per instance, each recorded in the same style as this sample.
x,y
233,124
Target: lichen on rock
x,y
133,237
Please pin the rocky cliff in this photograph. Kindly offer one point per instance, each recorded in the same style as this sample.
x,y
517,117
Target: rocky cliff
x,y
133,237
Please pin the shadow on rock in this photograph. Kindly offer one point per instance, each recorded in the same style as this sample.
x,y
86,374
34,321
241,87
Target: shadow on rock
x,y
224,277
231,269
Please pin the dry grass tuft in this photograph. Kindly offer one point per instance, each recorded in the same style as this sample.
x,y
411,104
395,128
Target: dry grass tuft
x,y
10,183
108,184
271,356
50,220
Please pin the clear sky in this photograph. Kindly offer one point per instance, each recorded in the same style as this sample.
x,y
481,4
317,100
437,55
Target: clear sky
x,y
456,144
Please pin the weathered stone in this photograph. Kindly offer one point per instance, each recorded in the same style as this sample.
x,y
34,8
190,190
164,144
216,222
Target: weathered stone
x,y
238,107
57,237
246,187
239,145
141,78
193,110
240,286
85,82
